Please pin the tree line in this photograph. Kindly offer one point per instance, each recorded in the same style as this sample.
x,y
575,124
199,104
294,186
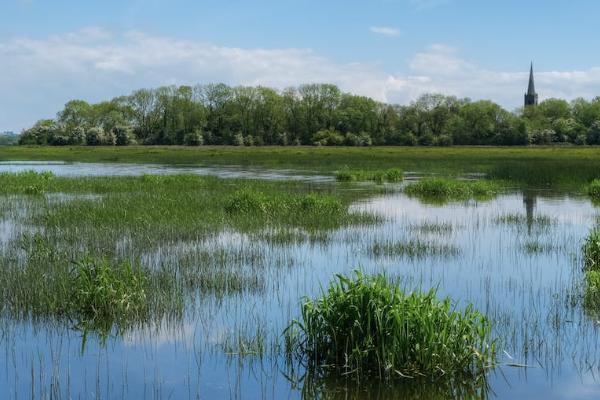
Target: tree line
x,y
312,114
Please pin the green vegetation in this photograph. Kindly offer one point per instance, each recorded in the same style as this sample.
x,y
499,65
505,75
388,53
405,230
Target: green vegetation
x,y
113,226
412,249
368,326
539,221
536,166
313,114
389,175
591,258
593,189
94,294
452,189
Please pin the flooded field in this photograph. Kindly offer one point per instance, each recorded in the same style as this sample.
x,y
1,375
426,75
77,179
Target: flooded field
x,y
226,285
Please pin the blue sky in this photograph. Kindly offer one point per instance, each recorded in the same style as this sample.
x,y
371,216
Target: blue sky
x,y
392,50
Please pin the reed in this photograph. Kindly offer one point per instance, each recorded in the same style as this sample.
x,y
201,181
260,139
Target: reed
x,y
388,175
453,189
367,326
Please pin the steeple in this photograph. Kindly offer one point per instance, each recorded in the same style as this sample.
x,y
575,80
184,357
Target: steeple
x,y
531,97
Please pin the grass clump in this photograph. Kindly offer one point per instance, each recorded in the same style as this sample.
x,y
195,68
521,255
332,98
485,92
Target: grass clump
x,y
388,175
591,258
591,251
100,291
369,326
593,189
253,202
412,249
452,189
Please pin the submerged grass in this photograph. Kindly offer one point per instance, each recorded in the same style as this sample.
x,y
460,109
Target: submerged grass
x,y
367,326
412,249
446,189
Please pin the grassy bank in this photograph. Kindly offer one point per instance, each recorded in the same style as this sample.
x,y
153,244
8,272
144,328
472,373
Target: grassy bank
x,y
538,165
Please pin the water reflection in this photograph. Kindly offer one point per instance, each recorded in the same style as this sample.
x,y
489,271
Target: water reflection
x,y
76,169
532,299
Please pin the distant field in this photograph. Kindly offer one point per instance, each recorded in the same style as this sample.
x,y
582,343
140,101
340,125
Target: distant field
x,y
539,165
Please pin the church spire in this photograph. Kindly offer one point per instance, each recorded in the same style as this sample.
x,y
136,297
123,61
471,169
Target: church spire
x,y
531,97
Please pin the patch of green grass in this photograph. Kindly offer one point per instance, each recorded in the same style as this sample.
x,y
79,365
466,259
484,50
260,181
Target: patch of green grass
x,y
367,326
593,189
100,291
591,260
389,175
446,189
591,251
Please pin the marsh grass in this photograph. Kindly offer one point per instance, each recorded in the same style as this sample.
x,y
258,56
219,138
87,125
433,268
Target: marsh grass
x,y
591,262
446,189
593,190
412,249
367,326
539,221
392,175
537,247
444,228
532,166
145,247
91,294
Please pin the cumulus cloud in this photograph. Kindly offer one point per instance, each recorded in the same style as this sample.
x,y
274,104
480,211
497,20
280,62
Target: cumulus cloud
x,y
385,31
37,76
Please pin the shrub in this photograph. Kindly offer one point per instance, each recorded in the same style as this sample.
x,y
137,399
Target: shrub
x,y
108,139
368,326
443,140
77,136
327,137
93,136
123,135
194,138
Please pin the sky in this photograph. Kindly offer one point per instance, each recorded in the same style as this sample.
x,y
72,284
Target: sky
x,y
52,51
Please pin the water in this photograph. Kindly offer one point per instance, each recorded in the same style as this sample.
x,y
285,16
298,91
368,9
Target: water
x,y
76,169
518,260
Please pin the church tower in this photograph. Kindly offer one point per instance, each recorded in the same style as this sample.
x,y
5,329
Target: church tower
x,y
531,97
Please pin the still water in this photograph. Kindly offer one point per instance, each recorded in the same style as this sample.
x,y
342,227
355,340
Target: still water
x,y
517,258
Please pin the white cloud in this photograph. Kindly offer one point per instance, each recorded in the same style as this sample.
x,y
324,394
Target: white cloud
x,y
37,76
385,31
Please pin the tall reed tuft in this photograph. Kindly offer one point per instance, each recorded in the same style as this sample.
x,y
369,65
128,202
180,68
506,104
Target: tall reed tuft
x,y
452,189
369,326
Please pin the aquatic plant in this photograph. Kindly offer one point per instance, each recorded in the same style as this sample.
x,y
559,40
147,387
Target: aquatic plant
x,y
591,251
412,249
100,291
452,189
593,189
369,326
388,175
